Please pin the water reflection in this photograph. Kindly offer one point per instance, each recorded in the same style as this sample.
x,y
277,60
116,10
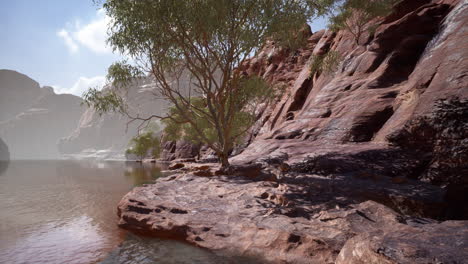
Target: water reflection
x,y
144,250
64,211
3,166
142,173
4,157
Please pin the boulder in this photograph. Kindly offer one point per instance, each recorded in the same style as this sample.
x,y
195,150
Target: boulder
x,y
179,150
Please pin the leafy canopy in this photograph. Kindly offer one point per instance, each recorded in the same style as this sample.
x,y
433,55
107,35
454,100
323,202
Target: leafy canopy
x,y
144,144
192,49
326,63
358,16
253,91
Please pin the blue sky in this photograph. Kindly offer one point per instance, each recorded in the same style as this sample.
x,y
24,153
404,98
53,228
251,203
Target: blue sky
x,y
60,43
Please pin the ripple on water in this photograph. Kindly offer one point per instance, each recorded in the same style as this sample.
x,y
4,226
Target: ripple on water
x,y
144,250
77,241
65,212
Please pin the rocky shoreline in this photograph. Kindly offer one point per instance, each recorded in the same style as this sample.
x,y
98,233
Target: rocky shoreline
x,y
377,151
304,219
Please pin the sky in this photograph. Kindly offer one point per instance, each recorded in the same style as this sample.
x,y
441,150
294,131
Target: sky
x,y
59,43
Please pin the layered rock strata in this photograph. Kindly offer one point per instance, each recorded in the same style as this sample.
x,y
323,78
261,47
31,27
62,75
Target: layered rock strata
x,y
305,219
396,105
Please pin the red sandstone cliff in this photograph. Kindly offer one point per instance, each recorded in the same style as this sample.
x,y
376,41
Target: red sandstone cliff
x,y
387,92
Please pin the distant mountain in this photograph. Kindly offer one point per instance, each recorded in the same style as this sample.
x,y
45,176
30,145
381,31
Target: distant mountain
x,y
18,93
36,123
33,119
107,136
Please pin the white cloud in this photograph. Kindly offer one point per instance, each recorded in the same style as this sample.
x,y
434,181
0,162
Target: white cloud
x,y
91,35
82,85
72,46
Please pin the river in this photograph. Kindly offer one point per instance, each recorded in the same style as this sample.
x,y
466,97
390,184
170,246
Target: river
x,y
65,212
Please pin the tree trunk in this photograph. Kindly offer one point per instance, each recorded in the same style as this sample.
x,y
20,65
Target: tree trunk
x,y
224,161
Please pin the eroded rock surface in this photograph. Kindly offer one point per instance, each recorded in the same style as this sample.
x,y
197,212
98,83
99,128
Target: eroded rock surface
x,y
396,105
177,150
309,219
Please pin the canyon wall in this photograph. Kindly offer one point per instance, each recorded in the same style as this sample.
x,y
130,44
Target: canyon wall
x,y
34,118
396,104
106,136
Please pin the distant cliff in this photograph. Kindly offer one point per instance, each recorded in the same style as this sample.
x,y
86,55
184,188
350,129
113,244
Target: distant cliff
x,y
33,119
107,136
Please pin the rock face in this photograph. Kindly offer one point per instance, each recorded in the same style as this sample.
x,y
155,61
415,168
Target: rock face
x,y
306,219
34,118
173,150
405,90
411,243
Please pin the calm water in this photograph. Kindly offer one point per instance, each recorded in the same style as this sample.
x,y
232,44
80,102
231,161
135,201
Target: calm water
x,y
65,212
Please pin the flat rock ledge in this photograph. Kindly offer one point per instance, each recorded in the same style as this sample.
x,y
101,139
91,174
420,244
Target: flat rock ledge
x,y
310,219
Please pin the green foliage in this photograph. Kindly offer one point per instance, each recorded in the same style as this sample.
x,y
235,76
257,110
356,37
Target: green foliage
x,y
358,16
184,122
143,144
141,25
104,101
206,40
153,126
143,174
122,74
326,63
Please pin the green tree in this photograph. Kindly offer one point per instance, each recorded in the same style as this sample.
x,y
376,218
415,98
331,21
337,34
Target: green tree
x,y
359,16
205,40
324,63
144,144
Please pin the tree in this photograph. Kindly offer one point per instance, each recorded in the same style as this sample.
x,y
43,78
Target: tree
x,y
204,41
326,63
358,16
143,144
